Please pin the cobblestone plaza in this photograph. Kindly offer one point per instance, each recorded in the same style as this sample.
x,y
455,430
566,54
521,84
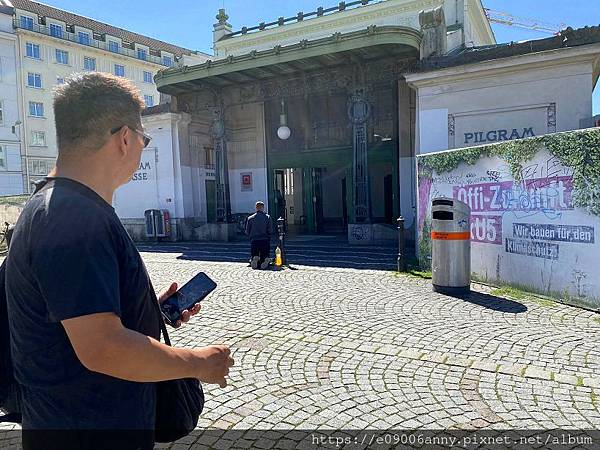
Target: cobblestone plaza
x,y
347,348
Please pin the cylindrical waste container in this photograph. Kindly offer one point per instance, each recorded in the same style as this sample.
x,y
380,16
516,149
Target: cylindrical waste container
x,y
451,246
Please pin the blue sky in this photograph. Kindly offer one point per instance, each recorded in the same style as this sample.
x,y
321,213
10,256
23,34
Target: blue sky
x,y
188,23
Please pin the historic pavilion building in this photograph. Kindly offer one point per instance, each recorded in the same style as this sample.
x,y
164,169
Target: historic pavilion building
x,y
321,114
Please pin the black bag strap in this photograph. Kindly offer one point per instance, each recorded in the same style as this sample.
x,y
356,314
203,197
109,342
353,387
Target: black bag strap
x,y
163,327
41,184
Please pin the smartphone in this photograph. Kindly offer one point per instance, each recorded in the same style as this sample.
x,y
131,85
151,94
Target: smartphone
x,y
186,297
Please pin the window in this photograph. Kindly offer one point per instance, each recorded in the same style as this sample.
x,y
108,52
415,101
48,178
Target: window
x,y
40,167
1,113
36,109
32,50
147,77
3,159
142,54
119,70
113,46
149,100
56,30
60,81
89,63
62,56
84,38
167,61
38,138
34,80
27,22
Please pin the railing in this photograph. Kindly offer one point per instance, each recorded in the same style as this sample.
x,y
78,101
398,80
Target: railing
x,y
73,37
342,6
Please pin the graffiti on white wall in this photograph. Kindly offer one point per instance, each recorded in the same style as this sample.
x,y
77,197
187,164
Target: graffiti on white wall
x,y
529,232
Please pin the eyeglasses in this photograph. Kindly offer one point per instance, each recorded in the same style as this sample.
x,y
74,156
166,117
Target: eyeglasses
x,y
146,137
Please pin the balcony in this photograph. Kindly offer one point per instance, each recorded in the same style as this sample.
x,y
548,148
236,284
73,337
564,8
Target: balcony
x,y
73,37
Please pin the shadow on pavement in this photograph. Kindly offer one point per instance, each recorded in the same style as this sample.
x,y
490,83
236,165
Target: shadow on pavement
x,y
495,303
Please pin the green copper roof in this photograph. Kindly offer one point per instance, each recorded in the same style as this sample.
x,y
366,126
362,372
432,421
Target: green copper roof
x,y
358,47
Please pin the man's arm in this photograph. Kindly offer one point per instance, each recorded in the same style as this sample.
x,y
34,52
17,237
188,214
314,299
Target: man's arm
x,y
248,226
104,345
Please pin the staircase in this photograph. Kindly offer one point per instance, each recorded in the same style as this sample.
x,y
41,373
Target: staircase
x,y
308,250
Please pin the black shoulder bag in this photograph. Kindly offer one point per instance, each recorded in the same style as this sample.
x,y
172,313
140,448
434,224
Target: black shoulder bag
x,y
178,402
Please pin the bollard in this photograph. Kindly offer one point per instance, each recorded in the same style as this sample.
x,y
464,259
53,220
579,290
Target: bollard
x,y
281,231
401,256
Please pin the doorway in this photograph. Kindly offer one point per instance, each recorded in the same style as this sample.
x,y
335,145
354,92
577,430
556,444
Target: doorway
x,y
211,198
344,203
317,199
287,195
388,199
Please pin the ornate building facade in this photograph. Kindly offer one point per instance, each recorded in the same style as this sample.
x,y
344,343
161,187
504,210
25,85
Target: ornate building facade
x,y
322,114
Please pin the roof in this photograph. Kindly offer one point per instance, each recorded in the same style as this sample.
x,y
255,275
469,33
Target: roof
x,y
357,47
98,27
565,39
6,7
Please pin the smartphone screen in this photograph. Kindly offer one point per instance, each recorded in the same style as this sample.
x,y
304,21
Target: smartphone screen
x,y
186,297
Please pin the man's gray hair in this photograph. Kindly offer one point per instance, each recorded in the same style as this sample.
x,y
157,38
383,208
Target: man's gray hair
x,y
89,105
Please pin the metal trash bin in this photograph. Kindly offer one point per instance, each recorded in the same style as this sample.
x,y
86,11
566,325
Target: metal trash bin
x,y
451,246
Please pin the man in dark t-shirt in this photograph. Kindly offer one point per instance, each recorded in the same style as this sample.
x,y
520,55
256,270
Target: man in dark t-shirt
x,y
84,330
71,257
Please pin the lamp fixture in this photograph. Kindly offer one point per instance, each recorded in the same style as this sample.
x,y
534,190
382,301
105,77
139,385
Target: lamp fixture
x,y
283,132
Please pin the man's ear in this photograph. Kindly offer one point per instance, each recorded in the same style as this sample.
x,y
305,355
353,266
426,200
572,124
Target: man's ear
x,y
123,140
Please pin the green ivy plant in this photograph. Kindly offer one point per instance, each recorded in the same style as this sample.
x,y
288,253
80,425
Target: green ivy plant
x,y
425,246
578,150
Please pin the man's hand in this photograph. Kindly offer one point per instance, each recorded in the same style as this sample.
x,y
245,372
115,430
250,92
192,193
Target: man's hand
x,y
185,314
213,364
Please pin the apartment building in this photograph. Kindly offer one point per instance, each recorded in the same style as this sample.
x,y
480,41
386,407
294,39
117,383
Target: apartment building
x,y
53,44
11,181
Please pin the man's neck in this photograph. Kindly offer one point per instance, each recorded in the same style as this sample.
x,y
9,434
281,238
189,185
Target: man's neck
x,y
79,171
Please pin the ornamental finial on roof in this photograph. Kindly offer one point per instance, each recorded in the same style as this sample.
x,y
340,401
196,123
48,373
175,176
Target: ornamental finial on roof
x,y
222,17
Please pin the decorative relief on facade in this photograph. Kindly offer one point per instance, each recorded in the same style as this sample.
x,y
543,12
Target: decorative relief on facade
x,y
450,125
197,102
552,118
451,131
340,79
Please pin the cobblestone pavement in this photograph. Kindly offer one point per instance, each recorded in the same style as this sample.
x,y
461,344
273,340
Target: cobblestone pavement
x,y
341,348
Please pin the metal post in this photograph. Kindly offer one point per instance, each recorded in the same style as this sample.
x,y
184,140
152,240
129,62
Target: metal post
x,y
281,231
401,256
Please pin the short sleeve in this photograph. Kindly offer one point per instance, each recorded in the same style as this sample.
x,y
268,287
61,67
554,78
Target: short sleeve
x,y
77,268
